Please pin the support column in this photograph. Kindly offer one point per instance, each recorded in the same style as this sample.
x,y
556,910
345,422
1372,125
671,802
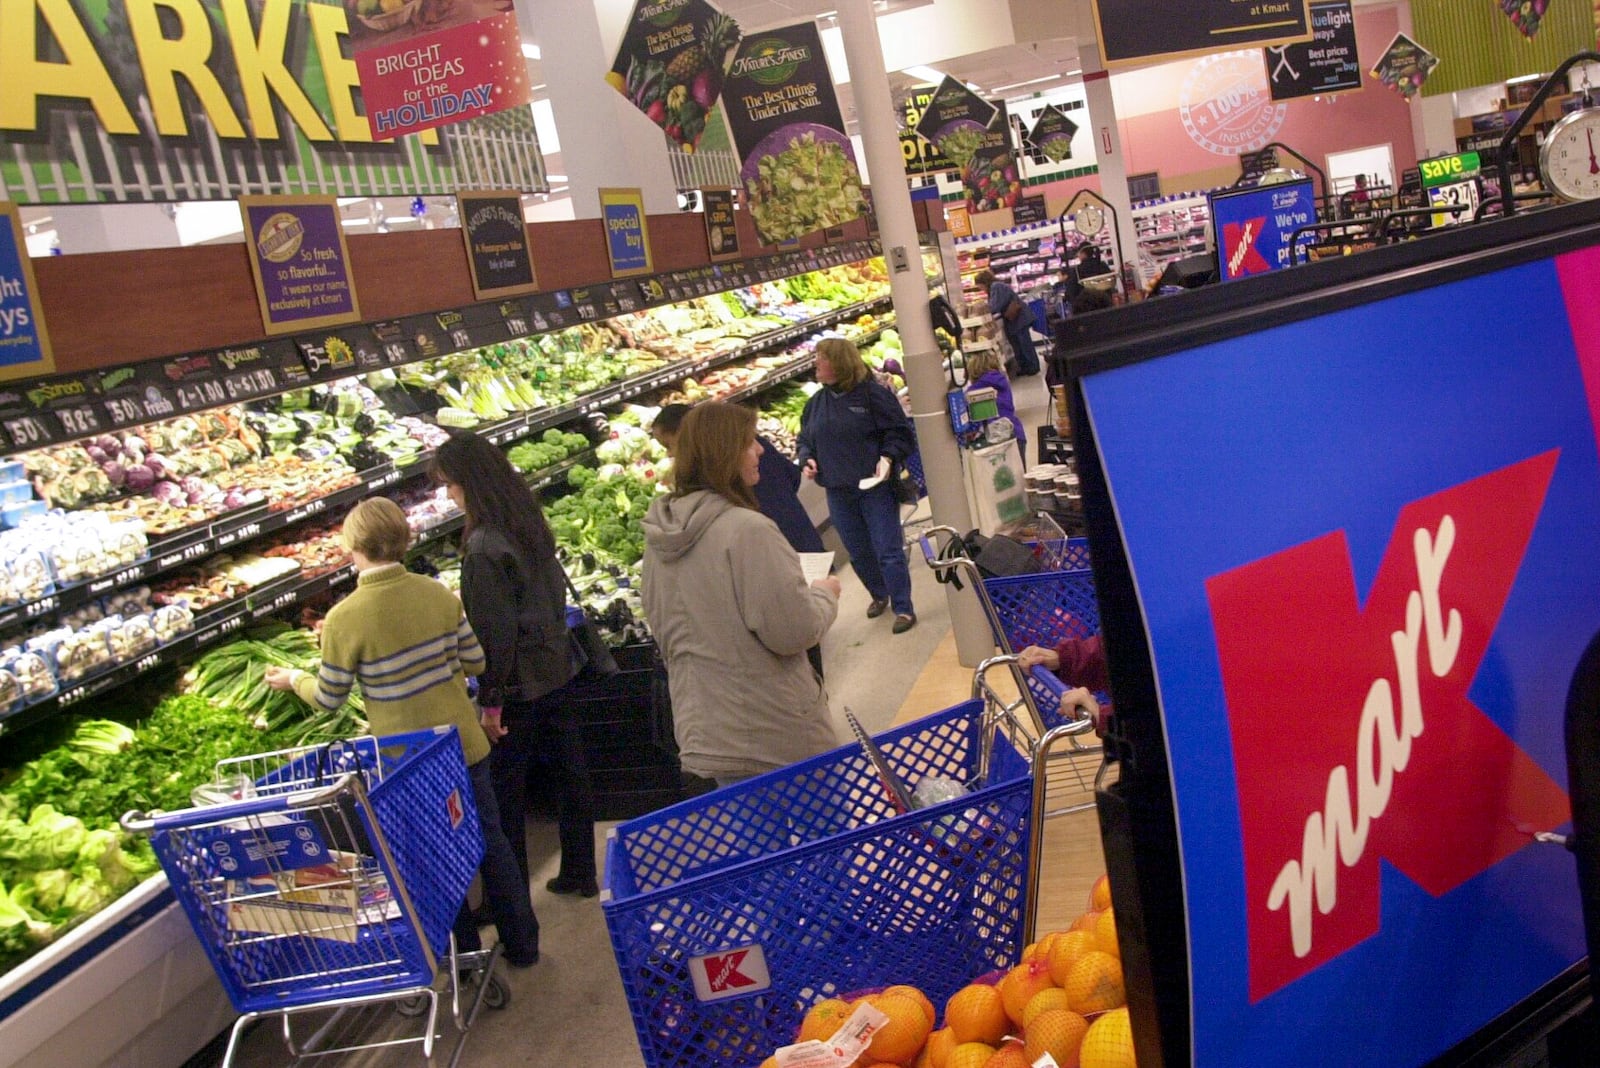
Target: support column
x,y
924,364
605,141
1108,148
115,227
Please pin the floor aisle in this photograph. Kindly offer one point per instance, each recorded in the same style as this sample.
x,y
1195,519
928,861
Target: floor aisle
x,y
569,1009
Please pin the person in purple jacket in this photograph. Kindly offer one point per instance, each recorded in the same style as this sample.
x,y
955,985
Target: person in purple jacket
x,y
983,369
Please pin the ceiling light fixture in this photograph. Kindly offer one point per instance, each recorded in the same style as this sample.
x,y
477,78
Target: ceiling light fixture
x,y
926,74
556,177
530,50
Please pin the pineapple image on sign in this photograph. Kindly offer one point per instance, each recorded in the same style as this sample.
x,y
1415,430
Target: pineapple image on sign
x,y
672,62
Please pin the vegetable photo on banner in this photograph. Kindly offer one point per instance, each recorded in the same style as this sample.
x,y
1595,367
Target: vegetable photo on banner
x,y
671,64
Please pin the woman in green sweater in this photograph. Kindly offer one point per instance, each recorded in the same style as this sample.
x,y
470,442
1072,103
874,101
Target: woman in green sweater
x,y
407,641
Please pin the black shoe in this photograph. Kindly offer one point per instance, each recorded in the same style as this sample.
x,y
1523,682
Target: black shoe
x,y
523,962
563,885
877,607
904,623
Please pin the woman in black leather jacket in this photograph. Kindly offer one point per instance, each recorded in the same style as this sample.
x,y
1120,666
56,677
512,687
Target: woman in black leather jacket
x,y
515,594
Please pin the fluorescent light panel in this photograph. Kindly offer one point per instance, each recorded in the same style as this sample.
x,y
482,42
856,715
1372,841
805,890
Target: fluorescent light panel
x,y
927,74
1030,81
530,50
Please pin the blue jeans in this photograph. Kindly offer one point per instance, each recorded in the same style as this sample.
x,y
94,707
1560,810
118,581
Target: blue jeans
x,y
1027,355
503,885
868,522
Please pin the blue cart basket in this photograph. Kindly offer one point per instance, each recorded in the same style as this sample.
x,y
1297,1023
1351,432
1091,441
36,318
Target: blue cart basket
x,y
733,913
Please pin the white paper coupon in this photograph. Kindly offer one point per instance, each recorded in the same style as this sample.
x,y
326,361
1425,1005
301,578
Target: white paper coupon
x,y
815,566
812,1054
852,1040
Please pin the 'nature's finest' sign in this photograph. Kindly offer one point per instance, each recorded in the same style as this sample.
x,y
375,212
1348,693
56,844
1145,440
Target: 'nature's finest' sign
x,y
1133,30
108,100
799,168
24,345
426,63
301,266
497,244
671,64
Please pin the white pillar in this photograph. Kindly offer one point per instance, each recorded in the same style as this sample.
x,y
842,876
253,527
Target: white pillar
x,y
605,140
115,227
1108,148
924,364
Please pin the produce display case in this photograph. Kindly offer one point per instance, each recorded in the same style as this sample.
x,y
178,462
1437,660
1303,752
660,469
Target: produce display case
x,y
269,553
1381,620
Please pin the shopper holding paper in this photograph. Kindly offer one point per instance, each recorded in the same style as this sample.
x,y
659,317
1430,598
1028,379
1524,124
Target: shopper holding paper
x,y
852,432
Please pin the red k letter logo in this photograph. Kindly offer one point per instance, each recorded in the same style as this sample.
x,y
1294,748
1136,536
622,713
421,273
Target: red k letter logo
x,y
1353,737
1241,245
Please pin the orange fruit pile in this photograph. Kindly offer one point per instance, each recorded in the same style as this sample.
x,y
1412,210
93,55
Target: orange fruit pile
x,y
1065,997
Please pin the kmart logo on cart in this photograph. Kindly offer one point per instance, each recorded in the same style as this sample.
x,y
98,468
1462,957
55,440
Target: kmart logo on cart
x,y
730,973
1354,738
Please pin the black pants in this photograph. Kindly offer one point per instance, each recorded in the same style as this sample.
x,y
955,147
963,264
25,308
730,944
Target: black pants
x,y
544,731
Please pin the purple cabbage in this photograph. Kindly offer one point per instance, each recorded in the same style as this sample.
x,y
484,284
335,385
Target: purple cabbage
x,y
115,472
170,493
159,464
192,485
140,477
97,454
235,498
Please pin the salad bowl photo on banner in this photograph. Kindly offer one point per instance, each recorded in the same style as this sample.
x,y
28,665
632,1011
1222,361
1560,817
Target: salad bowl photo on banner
x,y
1404,66
428,63
672,62
1052,134
798,166
955,121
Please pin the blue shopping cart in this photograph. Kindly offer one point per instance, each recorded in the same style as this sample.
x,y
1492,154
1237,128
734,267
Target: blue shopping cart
x,y
329,877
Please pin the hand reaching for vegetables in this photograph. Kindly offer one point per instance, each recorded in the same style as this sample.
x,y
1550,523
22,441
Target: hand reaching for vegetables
x,y
280,678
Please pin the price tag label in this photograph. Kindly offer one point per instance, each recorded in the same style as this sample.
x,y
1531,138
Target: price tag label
x,y
1461,195
42,607
27,431
221,630
518,326
243,385
111,582
78,420
341,576
460,339
305,511
202,394
187,554
68,698
395,352
368,356
238,534
123,411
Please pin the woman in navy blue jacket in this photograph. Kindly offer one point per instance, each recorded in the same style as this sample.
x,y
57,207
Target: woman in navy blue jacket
x,y
849,429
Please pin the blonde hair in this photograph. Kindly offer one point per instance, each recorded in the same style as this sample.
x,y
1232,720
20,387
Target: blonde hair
x,y
710,452
981,362
376,528
849,369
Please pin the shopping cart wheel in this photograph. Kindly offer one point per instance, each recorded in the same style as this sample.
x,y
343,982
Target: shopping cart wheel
x,y
498,995
412,1006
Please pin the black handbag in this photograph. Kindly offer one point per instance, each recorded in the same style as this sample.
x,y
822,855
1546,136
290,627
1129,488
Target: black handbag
x,y
902,485
588,641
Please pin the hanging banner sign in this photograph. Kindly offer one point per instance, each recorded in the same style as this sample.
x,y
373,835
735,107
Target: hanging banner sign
x,y
722,230
1142,30
497,243
177,102
627,231
24,343
672,62
955,119
427,63
1052,134
990,176
799,167
921,155
1525,14
1254,227
1404,66
1326,64
299,261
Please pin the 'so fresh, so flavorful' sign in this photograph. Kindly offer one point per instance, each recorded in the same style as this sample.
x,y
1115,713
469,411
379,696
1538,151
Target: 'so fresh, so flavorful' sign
x,y
118,101
627,233
497,243
300,264
722,231
1141,29
427,63
24,345
671,64
799,168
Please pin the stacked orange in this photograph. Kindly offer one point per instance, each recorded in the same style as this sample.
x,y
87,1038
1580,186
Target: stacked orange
x,y
1065,997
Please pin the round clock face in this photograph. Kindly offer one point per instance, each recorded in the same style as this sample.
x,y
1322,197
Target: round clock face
x,y
1089,220
1569,160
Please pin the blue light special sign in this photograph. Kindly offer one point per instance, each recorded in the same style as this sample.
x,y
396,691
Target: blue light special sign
x,y
24,343
627,233
1253,226
1386,615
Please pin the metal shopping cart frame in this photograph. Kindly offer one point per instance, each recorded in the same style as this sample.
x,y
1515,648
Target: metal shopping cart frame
x,y
329,879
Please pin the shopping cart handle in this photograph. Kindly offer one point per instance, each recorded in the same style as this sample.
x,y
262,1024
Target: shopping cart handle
x,y
136,822
1046,678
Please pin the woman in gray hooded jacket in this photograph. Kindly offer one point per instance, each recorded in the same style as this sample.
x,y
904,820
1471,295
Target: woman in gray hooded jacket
x,y
731,610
